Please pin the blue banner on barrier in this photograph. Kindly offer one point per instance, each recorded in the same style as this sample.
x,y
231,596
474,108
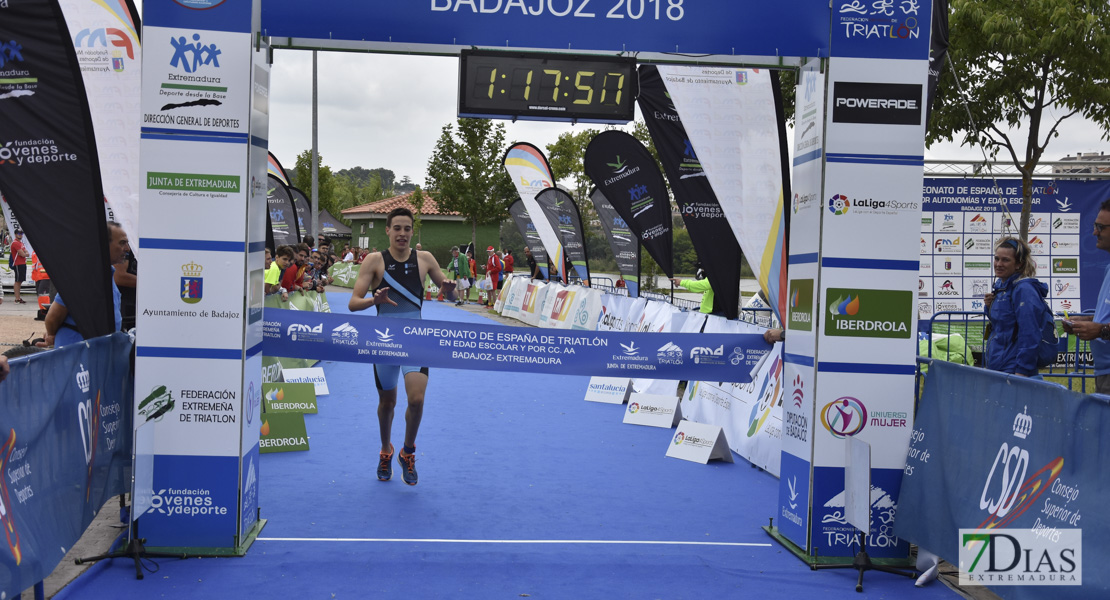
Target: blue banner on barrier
x,y
991,451
65,430
383,340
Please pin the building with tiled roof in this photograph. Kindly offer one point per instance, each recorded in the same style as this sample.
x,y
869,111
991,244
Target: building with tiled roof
x,y
438,231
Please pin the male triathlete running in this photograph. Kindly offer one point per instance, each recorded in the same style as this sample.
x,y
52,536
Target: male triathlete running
x,y
397,277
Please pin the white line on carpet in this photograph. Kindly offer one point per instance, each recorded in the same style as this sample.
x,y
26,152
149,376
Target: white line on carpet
x,y
447,541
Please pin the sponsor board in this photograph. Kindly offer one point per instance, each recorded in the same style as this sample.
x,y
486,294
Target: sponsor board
x,y
179,199
184,407
653,410
194,501
946,222
608,390
792,518
700,443
196,80
177,297
282,432
1064,287
855,312
948,266
248,501
1065,266
1008,556
876,103
833,535
948,288
289,397
313,375
800,305
1064,223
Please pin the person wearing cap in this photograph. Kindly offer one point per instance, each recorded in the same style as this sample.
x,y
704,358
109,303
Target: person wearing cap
x,y
494,264
700,284
19,264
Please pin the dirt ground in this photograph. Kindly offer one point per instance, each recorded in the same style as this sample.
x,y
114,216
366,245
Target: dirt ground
x,y
17,321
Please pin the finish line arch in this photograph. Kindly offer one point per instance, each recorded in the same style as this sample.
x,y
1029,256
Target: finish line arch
x,y
852,268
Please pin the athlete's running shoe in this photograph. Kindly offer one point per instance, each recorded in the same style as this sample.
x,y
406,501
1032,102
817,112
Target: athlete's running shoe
x,y
408,466
385,465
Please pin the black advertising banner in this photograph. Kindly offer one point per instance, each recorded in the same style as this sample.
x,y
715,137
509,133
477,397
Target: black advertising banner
x,y
714,242
621,240
623,169
562,213
332,228
283,216
304,211
531,237
49,170
938,52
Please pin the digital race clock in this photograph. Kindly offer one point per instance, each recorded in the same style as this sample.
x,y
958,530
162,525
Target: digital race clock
x,y
547,87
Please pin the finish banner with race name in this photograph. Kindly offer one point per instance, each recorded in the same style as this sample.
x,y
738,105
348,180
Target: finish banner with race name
x,y
442,344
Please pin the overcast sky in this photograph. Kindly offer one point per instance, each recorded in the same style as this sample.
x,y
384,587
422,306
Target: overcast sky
x,y
387,111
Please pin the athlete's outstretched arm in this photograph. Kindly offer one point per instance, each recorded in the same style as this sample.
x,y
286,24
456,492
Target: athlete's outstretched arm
x,y
431,267
369,276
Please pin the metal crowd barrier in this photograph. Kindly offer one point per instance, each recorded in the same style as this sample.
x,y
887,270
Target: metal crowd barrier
x,y
764,317
1074,367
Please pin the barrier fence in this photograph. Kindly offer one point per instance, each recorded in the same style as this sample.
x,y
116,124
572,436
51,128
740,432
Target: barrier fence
x,y
66,438
991,451
960,337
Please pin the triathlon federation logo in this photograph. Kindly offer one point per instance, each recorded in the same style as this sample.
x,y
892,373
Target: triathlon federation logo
x,y
157,403
345,335
844,417
670,354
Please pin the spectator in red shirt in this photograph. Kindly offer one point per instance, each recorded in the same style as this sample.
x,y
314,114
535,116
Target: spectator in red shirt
x,y
19,264
494,265
508,259
292,278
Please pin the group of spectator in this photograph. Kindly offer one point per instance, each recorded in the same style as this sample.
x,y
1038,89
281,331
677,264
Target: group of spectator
x,y
299,268
354,254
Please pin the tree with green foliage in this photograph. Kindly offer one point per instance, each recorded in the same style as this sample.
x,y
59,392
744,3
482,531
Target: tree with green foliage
x,y
301,178
1028,65
417,201
565,157
466,174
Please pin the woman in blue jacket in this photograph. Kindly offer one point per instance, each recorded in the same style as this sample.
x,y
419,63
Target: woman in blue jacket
x,y
1013,307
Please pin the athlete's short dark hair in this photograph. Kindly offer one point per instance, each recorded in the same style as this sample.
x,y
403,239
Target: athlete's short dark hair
x,y
400,211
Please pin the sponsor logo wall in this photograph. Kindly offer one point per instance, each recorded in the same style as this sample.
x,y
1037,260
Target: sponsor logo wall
x,y
859,383
203,190
962,220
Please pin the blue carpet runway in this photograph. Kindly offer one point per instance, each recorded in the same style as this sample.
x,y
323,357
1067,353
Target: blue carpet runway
x,y
525,490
